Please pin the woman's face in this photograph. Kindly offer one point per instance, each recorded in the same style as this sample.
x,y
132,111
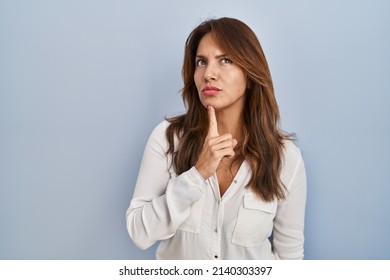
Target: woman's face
x,y
219,81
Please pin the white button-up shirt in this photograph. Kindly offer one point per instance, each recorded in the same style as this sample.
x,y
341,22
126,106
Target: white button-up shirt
x,y
192,221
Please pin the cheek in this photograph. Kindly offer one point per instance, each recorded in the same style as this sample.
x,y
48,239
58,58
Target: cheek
x,y
242,82
197,79
238,82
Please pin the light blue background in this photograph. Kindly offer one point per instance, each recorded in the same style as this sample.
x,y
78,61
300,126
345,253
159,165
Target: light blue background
x,y
82,84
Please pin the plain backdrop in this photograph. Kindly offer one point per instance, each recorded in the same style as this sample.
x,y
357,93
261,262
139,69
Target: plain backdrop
x,y
83,83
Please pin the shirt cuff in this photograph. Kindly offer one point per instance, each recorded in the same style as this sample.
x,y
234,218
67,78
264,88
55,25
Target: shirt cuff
x,y
186,188
194,175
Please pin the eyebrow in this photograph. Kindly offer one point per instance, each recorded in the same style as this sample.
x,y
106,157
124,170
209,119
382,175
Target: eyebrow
x,y
217,57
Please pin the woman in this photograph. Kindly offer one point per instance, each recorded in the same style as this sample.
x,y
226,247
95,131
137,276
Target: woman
x,y
218,181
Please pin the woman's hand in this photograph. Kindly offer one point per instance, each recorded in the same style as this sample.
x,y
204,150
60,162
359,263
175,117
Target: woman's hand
x,y
215,147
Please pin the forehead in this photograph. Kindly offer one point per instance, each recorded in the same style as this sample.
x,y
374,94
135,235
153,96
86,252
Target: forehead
x,y
208,46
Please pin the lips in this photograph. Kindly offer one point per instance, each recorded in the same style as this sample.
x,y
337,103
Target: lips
x,y
210,90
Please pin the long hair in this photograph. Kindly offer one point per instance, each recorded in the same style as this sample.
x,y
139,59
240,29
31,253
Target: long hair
x,y
263,142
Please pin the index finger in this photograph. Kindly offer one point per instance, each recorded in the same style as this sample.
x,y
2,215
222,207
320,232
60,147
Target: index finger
x,y
213,128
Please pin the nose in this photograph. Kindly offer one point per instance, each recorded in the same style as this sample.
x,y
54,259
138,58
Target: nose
x,y
211,72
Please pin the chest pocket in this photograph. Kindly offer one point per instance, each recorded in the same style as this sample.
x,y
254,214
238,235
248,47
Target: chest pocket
x,y
193,222
254,221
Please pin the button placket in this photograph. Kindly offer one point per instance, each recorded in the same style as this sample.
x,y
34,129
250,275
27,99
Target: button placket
x,y
219,213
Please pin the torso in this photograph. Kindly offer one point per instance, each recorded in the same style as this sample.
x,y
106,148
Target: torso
x,y
226,174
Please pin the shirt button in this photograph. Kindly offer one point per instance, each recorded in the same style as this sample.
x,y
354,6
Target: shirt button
x,y
215,229
235,181
215,257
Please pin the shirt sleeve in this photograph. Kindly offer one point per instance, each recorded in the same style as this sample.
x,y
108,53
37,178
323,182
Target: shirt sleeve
x,y
160,202
288,237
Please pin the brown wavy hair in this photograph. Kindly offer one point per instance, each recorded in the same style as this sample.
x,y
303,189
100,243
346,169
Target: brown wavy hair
x,y
263,141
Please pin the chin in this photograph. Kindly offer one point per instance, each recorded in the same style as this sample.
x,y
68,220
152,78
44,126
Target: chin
x,y
205,104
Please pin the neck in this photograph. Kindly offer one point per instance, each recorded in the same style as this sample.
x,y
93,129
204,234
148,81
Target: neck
x,y
230,122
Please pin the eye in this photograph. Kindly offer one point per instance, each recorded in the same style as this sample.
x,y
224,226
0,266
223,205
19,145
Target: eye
x,y
200,62
226,60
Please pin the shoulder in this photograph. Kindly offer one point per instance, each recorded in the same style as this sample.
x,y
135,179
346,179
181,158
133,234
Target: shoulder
x,y
160,129
157,139
291,152
292,162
